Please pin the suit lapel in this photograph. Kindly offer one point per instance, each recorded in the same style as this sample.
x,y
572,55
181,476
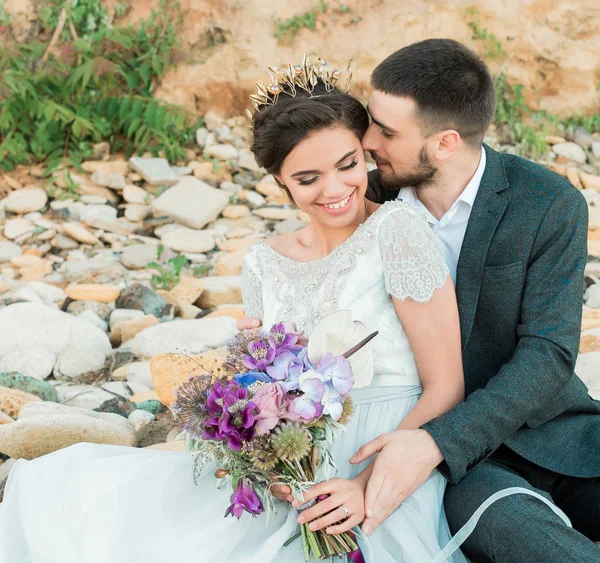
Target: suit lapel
x,y
487,212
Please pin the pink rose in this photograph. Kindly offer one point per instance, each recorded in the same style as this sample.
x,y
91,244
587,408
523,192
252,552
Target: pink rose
x,y
272,406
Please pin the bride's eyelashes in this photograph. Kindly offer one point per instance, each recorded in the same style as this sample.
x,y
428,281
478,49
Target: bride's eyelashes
x,y
342,169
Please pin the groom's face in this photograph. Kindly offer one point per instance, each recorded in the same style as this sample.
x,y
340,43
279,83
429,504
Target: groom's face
x,y
396,142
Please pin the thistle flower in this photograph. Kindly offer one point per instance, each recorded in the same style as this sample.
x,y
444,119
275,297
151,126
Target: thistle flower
x,y
347,410
189,407
263,456
244,498
291,442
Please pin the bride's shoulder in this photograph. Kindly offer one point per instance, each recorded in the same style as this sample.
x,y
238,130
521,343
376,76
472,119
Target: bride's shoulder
x,y
390,209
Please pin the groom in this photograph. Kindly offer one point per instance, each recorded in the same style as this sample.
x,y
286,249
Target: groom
x,y
514,236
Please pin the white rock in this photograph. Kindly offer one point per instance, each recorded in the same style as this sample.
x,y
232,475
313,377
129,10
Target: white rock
x,y
29,361
230,187
183,239
9,250
15,228
93,214
83,396
137,256
75,361
183,336
124,389
93,199
29,324
596,149
571,151
135,194
192,202
25,294
49,293
119,316
201,135
50,427
140,418
247,161
588,369
109,180
255,199
592,296
155,171
222,152
139,372
94,319
136,212
26,200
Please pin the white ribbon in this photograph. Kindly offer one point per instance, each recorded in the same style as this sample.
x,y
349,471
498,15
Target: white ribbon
x,y
468,528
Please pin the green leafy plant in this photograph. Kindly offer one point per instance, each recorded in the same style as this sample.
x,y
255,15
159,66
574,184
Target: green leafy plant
x,y
96,87
287,29
491,43
202,270
169,272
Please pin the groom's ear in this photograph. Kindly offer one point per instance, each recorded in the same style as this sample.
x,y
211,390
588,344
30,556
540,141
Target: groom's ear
x,y
448,142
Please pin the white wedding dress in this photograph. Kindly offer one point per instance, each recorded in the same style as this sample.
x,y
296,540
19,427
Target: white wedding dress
x,y
108,504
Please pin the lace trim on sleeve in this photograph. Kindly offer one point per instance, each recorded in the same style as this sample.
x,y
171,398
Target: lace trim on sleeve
x,y
413,263
251,292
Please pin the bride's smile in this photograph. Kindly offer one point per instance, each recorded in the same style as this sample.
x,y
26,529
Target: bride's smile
x,y
327,178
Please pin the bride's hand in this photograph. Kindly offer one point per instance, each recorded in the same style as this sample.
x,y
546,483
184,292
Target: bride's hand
x,y
281,492
329,513
248,323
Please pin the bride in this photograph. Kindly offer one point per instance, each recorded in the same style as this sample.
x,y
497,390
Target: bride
x,y
94,503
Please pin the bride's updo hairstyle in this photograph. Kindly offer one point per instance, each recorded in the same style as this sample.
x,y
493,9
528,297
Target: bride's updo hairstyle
x,y
286,113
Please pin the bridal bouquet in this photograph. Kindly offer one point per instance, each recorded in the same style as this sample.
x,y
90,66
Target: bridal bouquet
x,y
272,420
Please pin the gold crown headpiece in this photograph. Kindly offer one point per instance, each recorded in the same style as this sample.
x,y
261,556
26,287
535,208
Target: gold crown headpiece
x,y
304,76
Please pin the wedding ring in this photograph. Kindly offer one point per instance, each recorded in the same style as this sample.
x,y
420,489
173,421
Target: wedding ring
x,y
346,512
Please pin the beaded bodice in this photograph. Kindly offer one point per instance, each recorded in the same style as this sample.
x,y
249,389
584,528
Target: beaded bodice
x,y
394,253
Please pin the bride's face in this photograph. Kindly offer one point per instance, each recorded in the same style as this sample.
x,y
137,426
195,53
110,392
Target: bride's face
x,y
327,176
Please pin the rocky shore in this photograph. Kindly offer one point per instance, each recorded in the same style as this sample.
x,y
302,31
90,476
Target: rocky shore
x,y
119,281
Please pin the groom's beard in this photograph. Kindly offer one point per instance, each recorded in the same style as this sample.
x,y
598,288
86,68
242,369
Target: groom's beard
x,y
422,176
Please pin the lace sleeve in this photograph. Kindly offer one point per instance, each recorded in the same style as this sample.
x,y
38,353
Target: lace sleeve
x,y
413,263
251,291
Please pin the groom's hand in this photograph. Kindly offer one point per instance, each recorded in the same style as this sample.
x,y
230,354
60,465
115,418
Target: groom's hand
x,y
248,323
405,461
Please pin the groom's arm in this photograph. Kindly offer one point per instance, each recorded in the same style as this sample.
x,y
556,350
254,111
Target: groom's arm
x,y
548,340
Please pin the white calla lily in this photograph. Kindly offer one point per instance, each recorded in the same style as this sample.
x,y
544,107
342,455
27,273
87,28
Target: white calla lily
x,y
335,335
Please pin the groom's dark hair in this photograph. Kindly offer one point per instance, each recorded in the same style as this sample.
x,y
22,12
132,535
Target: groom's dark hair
x,y
449,83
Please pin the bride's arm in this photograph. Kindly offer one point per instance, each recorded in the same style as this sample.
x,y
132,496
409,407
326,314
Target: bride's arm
x,y
419,283
433,331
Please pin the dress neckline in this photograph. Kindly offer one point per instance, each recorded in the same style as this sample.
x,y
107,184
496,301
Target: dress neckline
x,y
339,248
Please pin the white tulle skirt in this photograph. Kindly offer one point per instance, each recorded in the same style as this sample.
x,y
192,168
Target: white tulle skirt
x,y
93,503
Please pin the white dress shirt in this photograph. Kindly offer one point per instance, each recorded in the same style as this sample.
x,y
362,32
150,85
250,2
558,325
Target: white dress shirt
x,y
452,226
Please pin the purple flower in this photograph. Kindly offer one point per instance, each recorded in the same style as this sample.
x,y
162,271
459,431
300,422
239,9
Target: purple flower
x,y
283,337
326,384
247,379
244,498
231,415
261,355
337,372
305,409
286,369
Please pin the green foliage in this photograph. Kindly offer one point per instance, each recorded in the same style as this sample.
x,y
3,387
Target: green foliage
x,y
286,30
169,272
202,270
343,9
491,43
87,16
97,87
4,17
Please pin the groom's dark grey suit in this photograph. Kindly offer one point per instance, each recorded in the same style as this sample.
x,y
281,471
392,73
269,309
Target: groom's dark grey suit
x,y
527,419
